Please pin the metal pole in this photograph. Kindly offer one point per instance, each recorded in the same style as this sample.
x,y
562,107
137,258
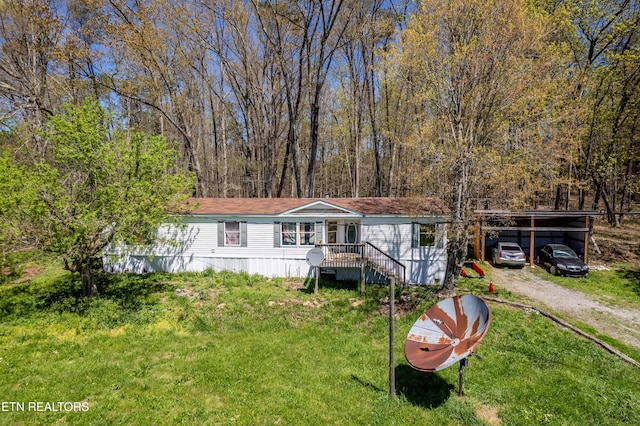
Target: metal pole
x,y
315,289
392,362
463,363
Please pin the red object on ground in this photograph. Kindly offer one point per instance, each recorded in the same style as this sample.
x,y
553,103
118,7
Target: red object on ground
x,y
492,289
478,269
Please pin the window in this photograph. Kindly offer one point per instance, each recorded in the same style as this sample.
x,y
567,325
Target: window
x,y
289,234
292,234
307,234
423,235
232,233
351,233
332,232
427,234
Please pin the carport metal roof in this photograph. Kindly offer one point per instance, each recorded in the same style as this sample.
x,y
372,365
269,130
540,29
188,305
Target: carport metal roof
x,y
532,221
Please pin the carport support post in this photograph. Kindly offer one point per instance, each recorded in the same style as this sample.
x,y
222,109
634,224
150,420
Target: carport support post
x,y
392,361
585,255
478,247
532,243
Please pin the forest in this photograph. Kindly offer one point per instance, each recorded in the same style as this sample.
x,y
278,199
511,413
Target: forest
x,y
528,102
517,104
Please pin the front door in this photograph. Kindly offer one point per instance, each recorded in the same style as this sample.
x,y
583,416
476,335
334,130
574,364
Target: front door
x,y
351,233
341,232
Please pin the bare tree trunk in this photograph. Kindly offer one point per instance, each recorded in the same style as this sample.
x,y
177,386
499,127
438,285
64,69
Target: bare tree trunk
x,y
391,143
558,202
313,143
89,288
459,235
371,98
625,196
456,253
285,167
355,132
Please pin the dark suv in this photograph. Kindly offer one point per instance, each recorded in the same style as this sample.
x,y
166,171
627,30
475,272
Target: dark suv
x,y
561,260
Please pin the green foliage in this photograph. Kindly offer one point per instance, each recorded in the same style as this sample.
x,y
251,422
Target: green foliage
x,y
203,348
96,185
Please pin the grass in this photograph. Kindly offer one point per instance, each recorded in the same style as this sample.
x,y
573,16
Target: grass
x,y
619,285
238,349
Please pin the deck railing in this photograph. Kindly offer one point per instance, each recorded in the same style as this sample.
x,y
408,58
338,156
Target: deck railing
x,y
344,255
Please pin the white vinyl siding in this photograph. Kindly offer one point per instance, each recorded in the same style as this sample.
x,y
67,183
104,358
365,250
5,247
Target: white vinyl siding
x,y
260,252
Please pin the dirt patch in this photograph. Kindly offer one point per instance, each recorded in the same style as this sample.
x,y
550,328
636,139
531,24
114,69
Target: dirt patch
x,y
615,244
28,274
308,303
189,294
489,414
355,302
295,285
621,324
404,305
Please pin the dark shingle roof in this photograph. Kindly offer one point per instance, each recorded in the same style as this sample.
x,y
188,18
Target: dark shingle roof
x,y
274,206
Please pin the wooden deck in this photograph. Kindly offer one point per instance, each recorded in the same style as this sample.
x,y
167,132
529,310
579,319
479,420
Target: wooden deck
x,y
363,256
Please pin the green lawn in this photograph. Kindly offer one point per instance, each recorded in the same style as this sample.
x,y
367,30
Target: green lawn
x,y
237,349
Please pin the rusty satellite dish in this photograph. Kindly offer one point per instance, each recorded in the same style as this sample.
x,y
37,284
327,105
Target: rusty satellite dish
x,y
448,332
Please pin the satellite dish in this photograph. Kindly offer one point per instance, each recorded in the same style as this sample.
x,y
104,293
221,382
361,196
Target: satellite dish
x,y
315,257
448,332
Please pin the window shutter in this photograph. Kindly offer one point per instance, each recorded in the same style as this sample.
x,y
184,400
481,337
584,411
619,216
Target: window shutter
x,y
243,234
220,234
319,233
276,234
415,235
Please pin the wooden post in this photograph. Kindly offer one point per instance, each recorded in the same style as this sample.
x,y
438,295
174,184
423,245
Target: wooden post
x,y
392,361
483,248
532,242
477,247
586,241
362,279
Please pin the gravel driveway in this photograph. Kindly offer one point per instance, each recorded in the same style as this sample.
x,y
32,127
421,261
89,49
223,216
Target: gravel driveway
x,y
621,324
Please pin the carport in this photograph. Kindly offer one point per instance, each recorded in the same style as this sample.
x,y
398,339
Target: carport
x,y
532,230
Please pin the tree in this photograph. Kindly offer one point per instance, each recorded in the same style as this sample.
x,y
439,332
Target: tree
x,y
476,68
96,186
370,28
255,84
30,35
605,43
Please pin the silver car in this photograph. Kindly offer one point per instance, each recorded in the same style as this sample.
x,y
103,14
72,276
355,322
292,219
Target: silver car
x,y
508,254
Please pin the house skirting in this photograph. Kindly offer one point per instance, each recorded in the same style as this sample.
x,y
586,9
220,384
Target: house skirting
x,y
418,272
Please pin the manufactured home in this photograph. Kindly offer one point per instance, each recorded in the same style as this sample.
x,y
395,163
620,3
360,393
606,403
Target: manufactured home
x,y
361,238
